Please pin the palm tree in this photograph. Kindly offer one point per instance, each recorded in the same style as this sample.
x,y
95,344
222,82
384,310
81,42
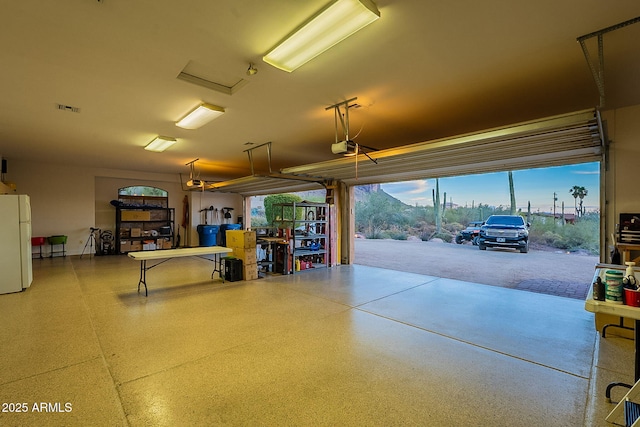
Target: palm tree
x,y
581,192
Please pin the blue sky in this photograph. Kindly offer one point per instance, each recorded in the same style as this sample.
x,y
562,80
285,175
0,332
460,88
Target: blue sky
x,y
534,185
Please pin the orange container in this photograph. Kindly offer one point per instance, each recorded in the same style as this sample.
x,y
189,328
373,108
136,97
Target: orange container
x,y
632,297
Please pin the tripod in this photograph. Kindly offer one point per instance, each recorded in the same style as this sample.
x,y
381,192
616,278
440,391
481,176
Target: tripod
x,y
91,241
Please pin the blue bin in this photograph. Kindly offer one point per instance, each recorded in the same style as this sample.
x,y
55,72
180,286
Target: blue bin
x,y
207,235
223,232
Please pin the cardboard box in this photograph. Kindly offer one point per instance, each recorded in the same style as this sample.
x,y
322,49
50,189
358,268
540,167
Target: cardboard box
x,y
248,256
136,246
249,271
125,232
125,246
136,232
135,215
241,239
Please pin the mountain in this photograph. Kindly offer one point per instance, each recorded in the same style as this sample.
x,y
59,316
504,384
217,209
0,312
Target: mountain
x,y
362,192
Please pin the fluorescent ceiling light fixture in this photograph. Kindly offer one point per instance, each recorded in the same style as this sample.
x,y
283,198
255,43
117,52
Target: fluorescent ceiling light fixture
x,y
202,115
337,21
160,143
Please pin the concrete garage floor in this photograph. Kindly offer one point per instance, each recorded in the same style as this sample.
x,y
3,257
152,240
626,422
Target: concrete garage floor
x,y
548,272
344,346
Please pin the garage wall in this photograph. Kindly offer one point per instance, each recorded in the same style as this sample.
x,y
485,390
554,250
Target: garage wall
x,y
70,200
622,184
62,199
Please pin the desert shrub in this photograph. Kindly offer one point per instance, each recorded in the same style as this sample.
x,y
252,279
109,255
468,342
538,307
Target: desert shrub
x,y
375,233
454,227
398,235
446,237
547,238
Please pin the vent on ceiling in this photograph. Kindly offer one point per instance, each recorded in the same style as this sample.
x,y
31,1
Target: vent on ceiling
x,y
219,87
68,108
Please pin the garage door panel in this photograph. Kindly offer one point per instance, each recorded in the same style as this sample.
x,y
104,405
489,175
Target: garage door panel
x,y
559,140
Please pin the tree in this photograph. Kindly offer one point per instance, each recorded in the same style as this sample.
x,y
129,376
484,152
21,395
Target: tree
x,y
578,192
270,213
377,213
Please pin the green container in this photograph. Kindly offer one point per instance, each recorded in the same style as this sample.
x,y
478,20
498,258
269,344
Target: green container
x,y
613,286
57,240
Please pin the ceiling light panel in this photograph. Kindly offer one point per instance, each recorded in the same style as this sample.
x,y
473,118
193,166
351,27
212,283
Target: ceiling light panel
x,y
337,21
200,116
160,143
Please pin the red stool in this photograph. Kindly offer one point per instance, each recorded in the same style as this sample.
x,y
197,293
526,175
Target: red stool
x,y
38,241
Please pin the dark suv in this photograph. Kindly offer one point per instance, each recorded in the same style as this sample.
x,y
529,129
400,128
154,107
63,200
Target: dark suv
x,y
504,231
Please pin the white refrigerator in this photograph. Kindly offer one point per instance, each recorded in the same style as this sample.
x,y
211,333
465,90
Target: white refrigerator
x,y
15,243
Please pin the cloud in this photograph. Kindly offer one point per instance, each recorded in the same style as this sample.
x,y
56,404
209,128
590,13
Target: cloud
x,y
407,187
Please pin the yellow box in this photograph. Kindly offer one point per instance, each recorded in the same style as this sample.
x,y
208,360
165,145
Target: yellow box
x,y
241,239
248,256
249,271
135,216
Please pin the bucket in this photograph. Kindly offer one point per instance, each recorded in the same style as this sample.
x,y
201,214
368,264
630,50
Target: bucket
x,y
632,297
613,286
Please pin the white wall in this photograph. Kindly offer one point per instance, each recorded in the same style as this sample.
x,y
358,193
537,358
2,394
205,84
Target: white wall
x,y
203,200
621,177
69,200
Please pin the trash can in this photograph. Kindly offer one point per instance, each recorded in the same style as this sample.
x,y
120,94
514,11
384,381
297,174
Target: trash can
x,y
207,235
223,232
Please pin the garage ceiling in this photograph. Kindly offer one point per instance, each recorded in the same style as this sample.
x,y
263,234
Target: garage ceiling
x,y
424,71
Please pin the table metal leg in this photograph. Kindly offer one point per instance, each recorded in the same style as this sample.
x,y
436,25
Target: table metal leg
x,y
613,325
217,266
636,339
143,277
636,363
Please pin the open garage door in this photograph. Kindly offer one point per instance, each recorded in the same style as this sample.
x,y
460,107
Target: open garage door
x,y
559,140
565,139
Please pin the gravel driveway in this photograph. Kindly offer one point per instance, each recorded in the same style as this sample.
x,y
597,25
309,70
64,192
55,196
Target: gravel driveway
x,y
549,272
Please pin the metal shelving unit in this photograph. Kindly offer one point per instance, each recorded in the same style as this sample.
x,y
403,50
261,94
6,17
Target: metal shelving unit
x,y
307,227
144,227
